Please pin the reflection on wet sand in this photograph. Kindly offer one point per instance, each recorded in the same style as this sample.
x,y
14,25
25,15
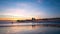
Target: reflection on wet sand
x,y
21,29
27,29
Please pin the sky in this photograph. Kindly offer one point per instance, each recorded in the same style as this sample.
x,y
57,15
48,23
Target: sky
x,y
30,8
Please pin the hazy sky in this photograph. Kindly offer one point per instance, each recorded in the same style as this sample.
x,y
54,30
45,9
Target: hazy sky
x,y
30,8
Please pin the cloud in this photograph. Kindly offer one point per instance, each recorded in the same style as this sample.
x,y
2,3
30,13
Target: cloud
x,y
28,10
23,12
40,1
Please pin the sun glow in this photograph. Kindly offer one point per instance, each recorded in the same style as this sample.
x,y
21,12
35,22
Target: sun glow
x,y
23,11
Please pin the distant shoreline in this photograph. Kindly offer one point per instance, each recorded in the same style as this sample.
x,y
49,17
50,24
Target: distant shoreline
x,y
13,25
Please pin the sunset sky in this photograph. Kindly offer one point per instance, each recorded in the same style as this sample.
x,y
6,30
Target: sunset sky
x,y
29,8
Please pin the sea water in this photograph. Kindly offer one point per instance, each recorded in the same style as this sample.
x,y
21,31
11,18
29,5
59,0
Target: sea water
x,y
29,29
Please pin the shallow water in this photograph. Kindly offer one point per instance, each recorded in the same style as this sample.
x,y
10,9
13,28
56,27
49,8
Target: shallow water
x,y
36,29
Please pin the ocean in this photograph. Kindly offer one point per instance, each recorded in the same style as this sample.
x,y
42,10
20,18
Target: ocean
x,y
29,28
36,29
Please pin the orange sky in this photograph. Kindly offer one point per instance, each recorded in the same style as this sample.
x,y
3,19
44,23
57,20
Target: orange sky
x,y
16,18
12,18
